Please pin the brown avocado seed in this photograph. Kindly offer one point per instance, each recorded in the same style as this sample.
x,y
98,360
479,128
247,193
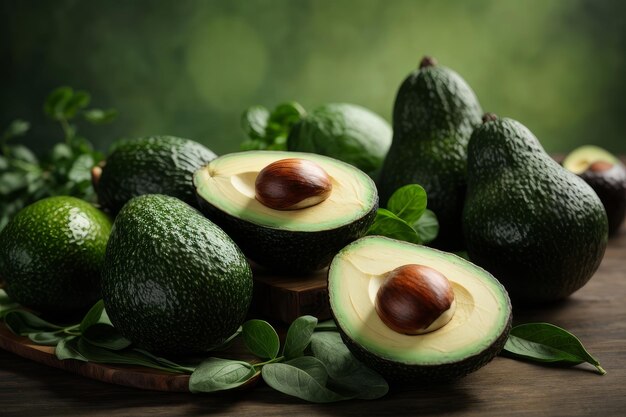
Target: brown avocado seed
x,y
600,166
415,299
291,184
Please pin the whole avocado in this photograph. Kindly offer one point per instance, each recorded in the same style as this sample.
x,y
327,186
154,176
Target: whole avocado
x,y
173,282
149,165
434,114
51,255
538,228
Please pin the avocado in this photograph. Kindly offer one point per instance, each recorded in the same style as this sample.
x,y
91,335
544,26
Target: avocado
x,y
434,114
540,229
295,240
173,282
51,255
149,165
343,131
606,175
474,332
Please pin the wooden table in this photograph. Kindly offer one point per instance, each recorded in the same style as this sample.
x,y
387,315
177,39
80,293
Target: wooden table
x,y
596,314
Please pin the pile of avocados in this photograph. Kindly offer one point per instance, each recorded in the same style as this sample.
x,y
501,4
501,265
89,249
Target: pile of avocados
x,y
172,248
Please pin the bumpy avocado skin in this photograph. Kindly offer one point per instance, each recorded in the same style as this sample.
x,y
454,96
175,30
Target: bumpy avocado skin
x,y
610,186
173,282
285,250
51,255
434,114
151,165
538,228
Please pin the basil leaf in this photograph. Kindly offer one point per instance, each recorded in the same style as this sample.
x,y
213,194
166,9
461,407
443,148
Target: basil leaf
x,y
261,339
92,316
544,342
283,117
105,336
312,366
23,323
347,373
254,121
216,374
427,226
47,338
388,224
299,336
298,383
327,325
67,349
408,202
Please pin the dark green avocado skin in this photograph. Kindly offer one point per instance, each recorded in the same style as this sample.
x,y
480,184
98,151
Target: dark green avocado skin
x,y
610,185
173,282
151,165
434,114
397,372
538,228
285,250
51,255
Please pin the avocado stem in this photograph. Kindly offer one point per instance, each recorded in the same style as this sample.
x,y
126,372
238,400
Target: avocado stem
x,y
428,61
489,117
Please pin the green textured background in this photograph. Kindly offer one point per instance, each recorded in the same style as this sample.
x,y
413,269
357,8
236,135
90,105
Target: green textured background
x,y
189,68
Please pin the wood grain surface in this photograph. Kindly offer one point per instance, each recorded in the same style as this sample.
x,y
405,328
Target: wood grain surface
x,y
505,387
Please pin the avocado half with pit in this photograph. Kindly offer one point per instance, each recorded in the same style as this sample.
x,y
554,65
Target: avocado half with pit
x,y
287,211
414,313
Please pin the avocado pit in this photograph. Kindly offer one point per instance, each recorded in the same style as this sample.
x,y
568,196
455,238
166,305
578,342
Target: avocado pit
x,y
415,299
292,184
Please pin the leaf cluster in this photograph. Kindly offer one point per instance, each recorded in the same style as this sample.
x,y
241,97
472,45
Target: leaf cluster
x,y
406,217
267,130
64,170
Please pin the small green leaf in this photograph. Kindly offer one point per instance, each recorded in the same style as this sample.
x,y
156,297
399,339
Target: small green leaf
x,y
67,349
261,339
544,342
81,169
299,336
93,316
312,366
12,181
427,226
99,116
6,304
347,373
18,127
286,115
47,338
105,336
298,383
216,374
23,322
254,121
79,100
389,225
22,153
408,202
166,362
56,102
61,151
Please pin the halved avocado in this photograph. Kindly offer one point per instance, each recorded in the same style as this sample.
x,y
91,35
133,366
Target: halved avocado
x,y
606,175
299,240
473,336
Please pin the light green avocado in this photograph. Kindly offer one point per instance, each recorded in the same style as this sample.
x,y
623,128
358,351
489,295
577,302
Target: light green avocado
x,y
472,337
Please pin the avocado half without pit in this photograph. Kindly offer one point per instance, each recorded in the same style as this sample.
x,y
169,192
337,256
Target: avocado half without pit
x,y
287,211
413,313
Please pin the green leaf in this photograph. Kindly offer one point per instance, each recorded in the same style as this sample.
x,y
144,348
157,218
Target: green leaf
x,y
79,100
60,152
226,343
299,336
216,374
22,153
389,225
427,226
312,366
254,121
547,343
326,326
47,338
23,322
81,169
297,382
99,116
105,336
68,349
12,181
261,339
166,362
286,115
408,202
93,316
57,101
18,127
347,373
6,304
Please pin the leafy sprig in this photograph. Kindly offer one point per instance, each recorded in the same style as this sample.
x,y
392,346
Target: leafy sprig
x,y
267,130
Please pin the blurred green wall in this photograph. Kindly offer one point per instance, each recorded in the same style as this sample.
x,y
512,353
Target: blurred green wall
x,y
189,68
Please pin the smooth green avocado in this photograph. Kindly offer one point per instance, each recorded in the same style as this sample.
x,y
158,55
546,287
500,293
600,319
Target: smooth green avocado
x,y
299,240
606,174
149,165
343,131
51,255
173,282
434,114
540,229
473,335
